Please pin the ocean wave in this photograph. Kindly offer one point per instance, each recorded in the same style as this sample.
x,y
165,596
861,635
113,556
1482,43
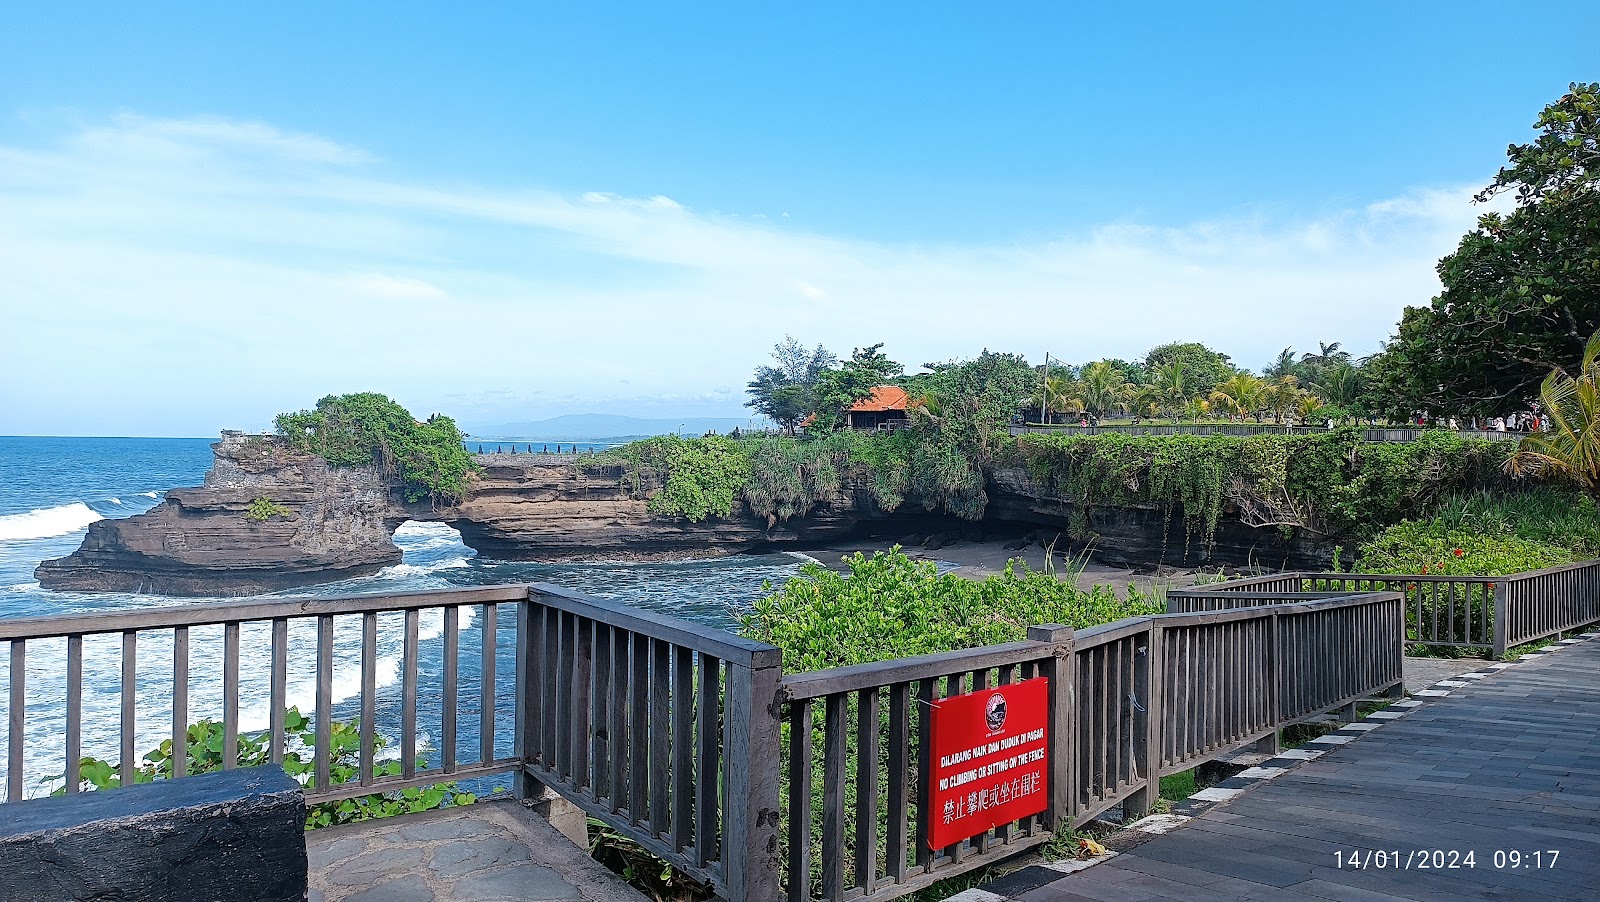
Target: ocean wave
x,y
20,587
47,522
401,571
116,500
149,494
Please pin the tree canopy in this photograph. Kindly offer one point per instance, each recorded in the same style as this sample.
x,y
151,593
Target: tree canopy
x,y
787,391
366,429
1522,290
1199,364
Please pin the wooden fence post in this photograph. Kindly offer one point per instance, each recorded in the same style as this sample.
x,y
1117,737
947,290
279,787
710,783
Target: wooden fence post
x,y
753,761
1147,724
522,785
1270,744
1501,617
1063,744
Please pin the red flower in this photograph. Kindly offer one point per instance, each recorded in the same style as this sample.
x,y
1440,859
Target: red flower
x,y
1458,552
1424,569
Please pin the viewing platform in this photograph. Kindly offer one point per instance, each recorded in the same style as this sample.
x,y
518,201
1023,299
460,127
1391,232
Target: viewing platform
x,y
695,746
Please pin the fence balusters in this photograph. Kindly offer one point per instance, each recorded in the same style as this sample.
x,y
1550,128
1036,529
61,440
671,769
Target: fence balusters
x,y
130,681
486,686
230,696
75,715
280,687
180,700
15,715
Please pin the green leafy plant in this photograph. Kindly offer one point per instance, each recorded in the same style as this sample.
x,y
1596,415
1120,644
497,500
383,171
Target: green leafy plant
x,y
204,752
643,869
264,508
426,460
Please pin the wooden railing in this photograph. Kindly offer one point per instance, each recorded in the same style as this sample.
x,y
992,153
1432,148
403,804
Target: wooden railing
x,y
1371,433
663,729
1484,613
671,733
1130,701
268,625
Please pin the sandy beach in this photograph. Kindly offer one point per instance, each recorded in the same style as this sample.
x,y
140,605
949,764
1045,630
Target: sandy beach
x,y
979,559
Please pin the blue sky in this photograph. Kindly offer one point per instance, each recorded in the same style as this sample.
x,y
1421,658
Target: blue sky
x,y
504,213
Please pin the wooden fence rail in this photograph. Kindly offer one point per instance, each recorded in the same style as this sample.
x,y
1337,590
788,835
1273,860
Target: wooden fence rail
x,y
269,624
1130,701
1371,433
692,742
1484,613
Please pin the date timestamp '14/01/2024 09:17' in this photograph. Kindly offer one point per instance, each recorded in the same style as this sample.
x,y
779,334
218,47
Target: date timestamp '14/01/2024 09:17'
x,y
1445,859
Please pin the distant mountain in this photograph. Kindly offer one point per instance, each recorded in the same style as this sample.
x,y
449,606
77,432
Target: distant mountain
x,y
606,425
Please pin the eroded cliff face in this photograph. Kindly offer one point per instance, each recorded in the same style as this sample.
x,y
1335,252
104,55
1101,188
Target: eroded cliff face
x,y
545,509
1148,536
202,541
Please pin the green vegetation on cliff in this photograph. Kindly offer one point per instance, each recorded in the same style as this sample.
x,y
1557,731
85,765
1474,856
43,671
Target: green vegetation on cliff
x,y
1332,483
426,460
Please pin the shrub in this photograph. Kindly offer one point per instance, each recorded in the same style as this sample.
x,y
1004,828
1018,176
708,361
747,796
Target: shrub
x,y
427,460
265,508
204,754
891,606
694,478
1434,547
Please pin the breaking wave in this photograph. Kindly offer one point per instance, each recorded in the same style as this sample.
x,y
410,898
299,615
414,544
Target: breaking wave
x,y
47,522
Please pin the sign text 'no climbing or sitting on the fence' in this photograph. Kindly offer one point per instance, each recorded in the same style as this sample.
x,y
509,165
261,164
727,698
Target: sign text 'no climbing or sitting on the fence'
x,y
989,764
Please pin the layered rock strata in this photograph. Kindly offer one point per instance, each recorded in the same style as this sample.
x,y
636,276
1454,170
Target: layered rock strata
x,y
327,524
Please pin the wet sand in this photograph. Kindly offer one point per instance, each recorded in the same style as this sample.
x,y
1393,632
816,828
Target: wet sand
x,y
976,560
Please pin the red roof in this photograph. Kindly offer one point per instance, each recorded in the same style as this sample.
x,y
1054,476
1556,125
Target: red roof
x,y
884,397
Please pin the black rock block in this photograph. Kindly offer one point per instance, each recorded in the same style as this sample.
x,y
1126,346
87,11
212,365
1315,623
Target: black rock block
x,y
232,835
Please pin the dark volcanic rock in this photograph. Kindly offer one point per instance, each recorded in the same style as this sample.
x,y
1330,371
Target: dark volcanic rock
x,y
200,541
237,834
1148,536
548,510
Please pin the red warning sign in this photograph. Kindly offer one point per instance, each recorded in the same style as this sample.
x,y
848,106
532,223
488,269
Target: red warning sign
x,y
988,760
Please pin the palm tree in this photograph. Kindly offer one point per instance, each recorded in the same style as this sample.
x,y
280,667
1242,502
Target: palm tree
x,y
1059,394
1239,395
1102,387
1340,384
1283,366
1282,395
1571,447
1171,385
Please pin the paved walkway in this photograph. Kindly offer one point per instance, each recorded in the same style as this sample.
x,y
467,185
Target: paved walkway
x,y
1420,673
488,852
1507,764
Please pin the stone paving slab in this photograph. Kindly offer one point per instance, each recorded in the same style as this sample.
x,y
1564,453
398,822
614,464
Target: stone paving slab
x,y
1421,673
1508,764
489,852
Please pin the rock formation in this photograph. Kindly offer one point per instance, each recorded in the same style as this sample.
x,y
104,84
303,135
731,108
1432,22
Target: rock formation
x,y
337,524
203,541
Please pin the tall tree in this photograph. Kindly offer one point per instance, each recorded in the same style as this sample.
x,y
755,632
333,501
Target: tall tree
x,y
1570,449
787,391
1103,386
838,388
1522,290
1203,367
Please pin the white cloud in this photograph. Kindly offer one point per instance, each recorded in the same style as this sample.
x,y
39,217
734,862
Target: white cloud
x,y
207,272
380,285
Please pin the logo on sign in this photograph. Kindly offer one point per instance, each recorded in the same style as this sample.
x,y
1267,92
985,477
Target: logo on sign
x,y
994,713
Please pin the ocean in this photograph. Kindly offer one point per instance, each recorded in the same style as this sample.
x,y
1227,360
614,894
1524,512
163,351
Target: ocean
x,y
51,489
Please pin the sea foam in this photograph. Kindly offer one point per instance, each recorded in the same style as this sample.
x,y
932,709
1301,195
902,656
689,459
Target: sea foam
x,y
46,522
